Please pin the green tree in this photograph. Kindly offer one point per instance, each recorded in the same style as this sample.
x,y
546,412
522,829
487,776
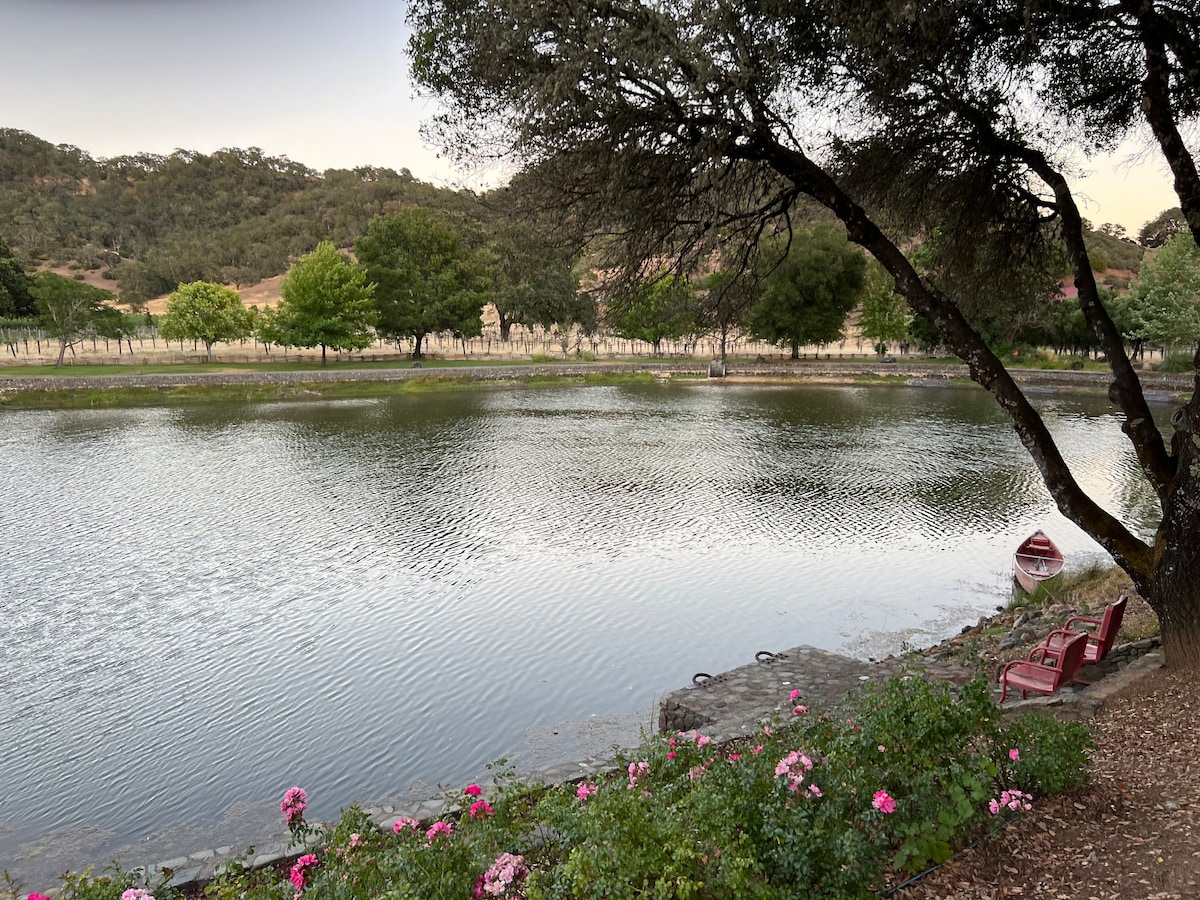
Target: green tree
x,y
532,281
1162,227
704,120
884,316
809,286
661,309
725,301
325,302
207,312
16,287
1165,300
426,280
70,309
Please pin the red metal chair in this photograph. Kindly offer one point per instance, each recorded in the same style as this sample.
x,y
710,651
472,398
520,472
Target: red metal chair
x,y
1041,673
1098,644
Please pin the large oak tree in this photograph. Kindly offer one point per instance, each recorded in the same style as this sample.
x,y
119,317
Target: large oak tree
x,y
676,126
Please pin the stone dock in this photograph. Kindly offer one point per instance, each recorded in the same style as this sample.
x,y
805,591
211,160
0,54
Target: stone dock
x,y
724,706
735,703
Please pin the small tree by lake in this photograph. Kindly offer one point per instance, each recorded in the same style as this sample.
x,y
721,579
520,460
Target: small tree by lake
x,y
325,302
206,312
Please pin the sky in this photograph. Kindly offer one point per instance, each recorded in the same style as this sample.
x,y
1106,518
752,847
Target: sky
x,y
323,83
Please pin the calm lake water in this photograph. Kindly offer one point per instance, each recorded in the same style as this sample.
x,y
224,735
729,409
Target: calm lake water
x,y
204,606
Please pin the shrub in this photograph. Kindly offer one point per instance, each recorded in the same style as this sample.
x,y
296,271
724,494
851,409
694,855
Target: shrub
x,y
1176,362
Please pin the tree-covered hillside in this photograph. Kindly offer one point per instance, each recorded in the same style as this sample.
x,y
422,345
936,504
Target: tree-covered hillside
x,y
234,216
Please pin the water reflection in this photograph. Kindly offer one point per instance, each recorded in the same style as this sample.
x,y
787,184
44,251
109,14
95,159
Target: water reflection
x,y
206,605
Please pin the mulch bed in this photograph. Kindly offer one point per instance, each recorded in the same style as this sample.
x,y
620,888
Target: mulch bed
x,y
1134,833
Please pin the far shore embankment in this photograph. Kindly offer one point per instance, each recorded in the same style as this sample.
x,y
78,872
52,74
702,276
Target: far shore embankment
x,y
1160,385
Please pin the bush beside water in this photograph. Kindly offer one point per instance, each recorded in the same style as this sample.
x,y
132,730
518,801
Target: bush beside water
x,y
821,806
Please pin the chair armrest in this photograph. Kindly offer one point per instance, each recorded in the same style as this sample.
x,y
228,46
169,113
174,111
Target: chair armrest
x,y
1011,664
1048,654
1084,619
1043,653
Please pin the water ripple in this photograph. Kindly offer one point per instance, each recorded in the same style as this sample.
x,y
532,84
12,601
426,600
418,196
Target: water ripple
x,y
207,605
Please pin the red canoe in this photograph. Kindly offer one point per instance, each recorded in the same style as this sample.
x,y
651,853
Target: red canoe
x,y
1036,560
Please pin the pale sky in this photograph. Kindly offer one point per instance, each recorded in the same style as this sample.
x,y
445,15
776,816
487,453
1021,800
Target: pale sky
x,y
323,83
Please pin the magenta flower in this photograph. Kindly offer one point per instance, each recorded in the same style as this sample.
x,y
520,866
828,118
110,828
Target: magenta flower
x,y
670,754
703,740
585,790
794,695
884,802
36,896
131,894
472,790
405,822
295,801
300,870
1014,754
800,711
481,808
437,828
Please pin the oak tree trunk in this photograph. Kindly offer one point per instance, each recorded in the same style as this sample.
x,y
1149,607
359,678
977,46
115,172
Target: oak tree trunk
x,y
1174,593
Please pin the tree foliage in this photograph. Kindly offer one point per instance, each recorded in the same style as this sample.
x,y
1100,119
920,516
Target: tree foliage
x,y
662,308
71,310
532,280
1162,228
16,287
884,316
1165,300
675,126
206,312
426,280
810,283
326,302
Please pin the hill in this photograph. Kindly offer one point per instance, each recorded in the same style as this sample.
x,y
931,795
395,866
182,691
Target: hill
x,y
142,224
145,223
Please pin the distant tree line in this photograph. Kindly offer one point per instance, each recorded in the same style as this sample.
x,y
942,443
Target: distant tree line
x,y
427,260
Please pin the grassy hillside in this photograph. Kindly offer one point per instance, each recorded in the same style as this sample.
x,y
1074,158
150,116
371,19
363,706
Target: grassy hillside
x,y
145,223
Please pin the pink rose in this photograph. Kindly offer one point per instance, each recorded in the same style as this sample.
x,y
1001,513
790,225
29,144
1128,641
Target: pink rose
x,y
295,801
472,790
1014,754
884,802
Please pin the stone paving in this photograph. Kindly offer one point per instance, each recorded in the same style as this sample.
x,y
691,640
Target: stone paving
x,y
736,703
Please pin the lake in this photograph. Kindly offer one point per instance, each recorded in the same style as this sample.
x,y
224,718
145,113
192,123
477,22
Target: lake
x,y
206,605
